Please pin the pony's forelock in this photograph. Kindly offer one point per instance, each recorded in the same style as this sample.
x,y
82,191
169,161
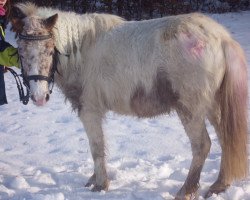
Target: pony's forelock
x,y
27,8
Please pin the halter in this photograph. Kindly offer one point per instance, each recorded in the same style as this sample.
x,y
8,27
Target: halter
x,y
50,79
35,37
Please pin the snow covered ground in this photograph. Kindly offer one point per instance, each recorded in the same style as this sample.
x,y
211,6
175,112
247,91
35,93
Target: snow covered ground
x,y
44,152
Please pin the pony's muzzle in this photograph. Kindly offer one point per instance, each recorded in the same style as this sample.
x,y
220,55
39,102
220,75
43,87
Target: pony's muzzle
x,y
40,100
39,92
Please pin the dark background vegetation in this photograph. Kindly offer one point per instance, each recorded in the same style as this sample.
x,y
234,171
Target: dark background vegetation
x,y
145,9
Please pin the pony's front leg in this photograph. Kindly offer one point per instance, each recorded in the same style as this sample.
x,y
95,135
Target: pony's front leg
x,y
200,144
92,122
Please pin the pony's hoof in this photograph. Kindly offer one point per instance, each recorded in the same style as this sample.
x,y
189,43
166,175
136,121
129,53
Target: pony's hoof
x,y
88,184
216,188
99,188
192,196
91,181
208,194
214,191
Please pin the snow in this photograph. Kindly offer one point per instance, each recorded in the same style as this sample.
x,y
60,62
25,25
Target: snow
x,y
44,152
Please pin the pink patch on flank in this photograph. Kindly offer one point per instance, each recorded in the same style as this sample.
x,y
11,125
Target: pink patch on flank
x,y
193,45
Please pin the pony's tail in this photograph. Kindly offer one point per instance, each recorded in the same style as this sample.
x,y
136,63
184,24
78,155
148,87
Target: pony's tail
x,y
233,98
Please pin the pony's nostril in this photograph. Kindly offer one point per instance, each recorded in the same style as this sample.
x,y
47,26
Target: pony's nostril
x,y
47,97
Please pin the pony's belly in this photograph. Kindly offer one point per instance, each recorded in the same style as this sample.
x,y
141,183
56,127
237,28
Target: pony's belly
x,y
143,107
120,107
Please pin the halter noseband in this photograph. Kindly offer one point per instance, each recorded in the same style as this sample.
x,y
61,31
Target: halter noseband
x,y
26,79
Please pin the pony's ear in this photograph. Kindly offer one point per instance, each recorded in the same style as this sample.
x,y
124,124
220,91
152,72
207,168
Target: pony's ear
x,y
50,22
16,16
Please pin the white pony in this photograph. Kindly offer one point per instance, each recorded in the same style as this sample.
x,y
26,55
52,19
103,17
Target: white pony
x,y
187,63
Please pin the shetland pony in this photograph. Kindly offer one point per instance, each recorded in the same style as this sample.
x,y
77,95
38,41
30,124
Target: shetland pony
x,y
187,63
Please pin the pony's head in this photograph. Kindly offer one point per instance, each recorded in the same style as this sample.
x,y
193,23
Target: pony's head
x,y
36,49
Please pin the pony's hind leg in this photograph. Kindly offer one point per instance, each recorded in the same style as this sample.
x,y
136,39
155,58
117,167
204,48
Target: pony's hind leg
x,y
93,125
200,144
222,183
